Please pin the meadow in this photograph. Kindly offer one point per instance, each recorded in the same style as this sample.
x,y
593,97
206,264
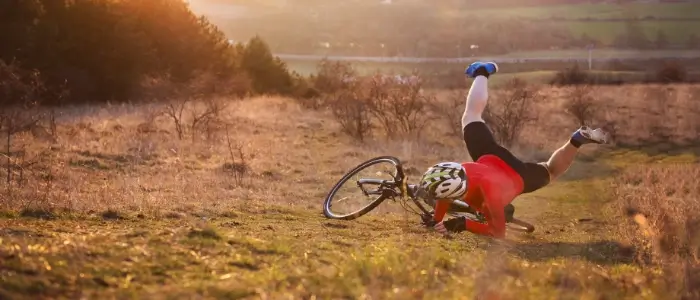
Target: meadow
x,y
597,11
604,22
116,203
138,163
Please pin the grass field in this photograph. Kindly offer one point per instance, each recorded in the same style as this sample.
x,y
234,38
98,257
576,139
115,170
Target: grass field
x,y
310,67
677,32
364,68
119,207
602,22
603,53
599,11
306,67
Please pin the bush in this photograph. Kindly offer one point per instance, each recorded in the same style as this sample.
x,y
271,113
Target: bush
x,y
571,76
333,76
510,110
671,72
400,109
269,74
21,92
351,110
450,111
581,104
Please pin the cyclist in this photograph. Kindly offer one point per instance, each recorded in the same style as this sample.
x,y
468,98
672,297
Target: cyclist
x,y
495,177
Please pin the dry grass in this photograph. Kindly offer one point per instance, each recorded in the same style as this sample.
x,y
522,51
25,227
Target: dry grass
x,y
130,159
637,115
663,203
122,208
663,117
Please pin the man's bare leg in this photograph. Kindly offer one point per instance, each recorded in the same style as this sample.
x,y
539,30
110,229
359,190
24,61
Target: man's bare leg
x,y
562,158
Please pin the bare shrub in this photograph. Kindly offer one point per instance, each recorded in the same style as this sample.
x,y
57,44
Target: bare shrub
x,y
194,108
692,108
400,108
658,101
581,104
663,204
449,111
175,110
671,72
571,76
238,167
197,118
352,111
21,91
333,76
510,110
206,117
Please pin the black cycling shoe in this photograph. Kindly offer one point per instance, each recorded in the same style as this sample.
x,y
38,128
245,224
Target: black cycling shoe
x,y
457,224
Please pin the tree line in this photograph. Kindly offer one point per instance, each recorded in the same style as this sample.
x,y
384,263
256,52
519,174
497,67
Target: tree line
x,y
104,50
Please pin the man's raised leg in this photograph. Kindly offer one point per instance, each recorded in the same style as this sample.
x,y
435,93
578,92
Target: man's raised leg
x,y
562,158
477,137
478,93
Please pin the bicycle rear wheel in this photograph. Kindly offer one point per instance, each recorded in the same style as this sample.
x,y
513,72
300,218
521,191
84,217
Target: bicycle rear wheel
x,y
368,190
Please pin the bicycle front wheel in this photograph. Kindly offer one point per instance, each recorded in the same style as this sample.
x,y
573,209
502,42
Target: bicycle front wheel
x,y
362,189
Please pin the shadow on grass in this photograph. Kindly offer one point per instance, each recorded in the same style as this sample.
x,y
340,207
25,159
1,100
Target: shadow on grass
x,y
600,252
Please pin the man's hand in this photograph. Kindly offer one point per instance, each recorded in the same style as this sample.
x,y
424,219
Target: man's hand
x,y
440,227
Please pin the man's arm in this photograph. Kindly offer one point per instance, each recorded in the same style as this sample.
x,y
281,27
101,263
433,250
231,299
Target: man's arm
x,y
493,212
495,226
495,221
441,208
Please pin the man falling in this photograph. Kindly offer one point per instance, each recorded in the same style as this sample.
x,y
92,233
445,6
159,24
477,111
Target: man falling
x,y
496,176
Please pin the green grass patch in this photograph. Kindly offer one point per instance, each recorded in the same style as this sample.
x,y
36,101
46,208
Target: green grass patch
x,y
628,157
597,11
606,32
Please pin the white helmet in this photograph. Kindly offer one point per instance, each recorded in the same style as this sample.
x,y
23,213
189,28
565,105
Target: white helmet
x,y
447,180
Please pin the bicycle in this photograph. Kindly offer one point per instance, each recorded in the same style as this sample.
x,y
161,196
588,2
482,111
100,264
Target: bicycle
x,y
400,191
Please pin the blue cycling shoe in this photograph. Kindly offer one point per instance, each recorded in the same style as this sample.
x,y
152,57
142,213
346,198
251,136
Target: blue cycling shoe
x,y
490,68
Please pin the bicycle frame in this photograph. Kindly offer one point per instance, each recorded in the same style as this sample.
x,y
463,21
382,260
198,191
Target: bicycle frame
x,y
388,188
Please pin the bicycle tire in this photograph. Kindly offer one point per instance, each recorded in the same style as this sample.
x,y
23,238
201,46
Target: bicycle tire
x,y
354,215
